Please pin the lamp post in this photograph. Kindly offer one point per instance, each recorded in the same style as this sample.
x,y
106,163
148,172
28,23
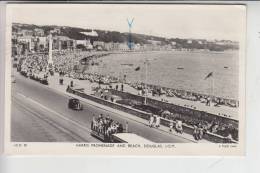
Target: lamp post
x,y
50,61
146,90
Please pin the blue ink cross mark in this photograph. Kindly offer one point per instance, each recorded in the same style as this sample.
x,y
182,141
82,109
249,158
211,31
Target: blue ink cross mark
x,y
130,24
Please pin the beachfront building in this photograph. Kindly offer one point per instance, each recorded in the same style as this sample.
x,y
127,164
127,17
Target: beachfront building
x,y
108,46
26,41
63,42
166,47
41,43
123,46
136,47
91,33
26,32
85,43
16,49
99,45
111,46
38,32
150,47
154,42
56,31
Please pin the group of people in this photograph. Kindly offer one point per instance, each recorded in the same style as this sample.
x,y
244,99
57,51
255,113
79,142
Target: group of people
x,y
169,92
198,132
106,126
177,127
154,121
202,125
35,67
94,77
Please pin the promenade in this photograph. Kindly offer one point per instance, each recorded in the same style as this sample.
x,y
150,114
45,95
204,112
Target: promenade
x,y
80,84
221,110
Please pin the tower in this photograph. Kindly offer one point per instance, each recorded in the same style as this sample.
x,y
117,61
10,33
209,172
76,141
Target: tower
x,y
50,61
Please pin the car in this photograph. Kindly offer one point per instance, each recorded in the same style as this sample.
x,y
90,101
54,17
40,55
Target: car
x,y
75,104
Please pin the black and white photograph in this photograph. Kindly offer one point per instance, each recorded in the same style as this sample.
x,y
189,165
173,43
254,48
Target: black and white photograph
x,y
123,75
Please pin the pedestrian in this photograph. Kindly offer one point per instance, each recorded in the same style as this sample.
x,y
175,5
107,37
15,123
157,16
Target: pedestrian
x,y
158,120
126,127
195,133
120,128
171,126
122,87
179,127
151,120
229,138
92,122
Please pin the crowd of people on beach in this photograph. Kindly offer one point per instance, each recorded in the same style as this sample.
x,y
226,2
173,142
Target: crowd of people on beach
x,y
94,78
106,126
35,66
187,95
69,64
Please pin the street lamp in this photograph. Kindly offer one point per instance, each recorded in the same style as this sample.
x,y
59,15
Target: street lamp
x,y
146,72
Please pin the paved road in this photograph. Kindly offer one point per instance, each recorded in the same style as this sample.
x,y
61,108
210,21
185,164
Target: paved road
x,y
40,114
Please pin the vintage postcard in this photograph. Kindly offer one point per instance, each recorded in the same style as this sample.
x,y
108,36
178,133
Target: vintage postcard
x,y
125,79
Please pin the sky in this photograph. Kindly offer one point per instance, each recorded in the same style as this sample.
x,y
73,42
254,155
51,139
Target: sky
x,y
170,21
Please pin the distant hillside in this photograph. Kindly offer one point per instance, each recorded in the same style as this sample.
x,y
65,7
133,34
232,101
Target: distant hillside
x,y
115,36
106,36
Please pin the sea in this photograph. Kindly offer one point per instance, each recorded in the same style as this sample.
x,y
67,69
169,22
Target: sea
x,y
186,70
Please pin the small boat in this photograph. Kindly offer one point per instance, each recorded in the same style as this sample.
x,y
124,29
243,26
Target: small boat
x,y
226,67
128,64
180,68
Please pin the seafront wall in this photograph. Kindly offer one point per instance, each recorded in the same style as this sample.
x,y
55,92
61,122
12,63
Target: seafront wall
x,y
165,122
171,107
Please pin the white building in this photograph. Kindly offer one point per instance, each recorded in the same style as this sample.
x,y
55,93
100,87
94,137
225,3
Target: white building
x,y
38,32
27,40
26,32
91,33
85,43
189,41
42,42
154,42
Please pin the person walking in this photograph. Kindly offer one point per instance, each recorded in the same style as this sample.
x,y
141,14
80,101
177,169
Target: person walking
x,y
158,120
122,87
171,126
179,127
151,121
195,132
92,122
126,127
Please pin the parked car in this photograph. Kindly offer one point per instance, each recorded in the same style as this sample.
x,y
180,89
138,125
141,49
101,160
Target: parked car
x,y
75,104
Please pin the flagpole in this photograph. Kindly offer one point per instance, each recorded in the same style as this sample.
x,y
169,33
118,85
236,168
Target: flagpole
x,y
145,95
211,88
213,83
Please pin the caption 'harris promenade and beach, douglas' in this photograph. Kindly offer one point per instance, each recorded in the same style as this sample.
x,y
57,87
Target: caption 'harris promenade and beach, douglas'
x,y
183,86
